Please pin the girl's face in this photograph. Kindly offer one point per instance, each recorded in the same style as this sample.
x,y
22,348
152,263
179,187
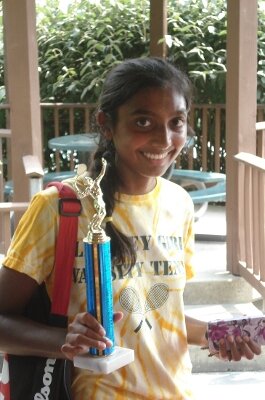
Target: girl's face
x,y
150,132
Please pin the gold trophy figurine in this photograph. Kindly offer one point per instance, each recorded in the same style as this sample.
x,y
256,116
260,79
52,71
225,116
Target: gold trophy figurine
x,y
98,278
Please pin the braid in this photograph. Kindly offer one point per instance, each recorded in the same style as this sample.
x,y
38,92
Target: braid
x,y
122,248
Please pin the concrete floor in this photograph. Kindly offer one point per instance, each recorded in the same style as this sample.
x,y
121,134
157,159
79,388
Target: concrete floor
x,y
229,385
212,223
210,241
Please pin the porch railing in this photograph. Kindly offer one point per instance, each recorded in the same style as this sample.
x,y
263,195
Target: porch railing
x,y
252,220
207,121
208,153
7,211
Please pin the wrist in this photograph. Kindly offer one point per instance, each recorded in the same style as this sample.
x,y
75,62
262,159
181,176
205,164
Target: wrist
x,y
204,341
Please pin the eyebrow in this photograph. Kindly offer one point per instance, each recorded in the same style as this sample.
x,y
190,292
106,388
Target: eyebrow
x,y
149,112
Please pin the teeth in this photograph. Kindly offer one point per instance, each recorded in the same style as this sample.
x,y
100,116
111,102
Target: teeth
x,y
155,156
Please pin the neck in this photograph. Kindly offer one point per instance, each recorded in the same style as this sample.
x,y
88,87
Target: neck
x,y
138,188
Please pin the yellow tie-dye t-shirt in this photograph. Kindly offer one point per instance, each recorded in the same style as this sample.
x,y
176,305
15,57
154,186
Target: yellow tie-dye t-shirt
x,y
150,296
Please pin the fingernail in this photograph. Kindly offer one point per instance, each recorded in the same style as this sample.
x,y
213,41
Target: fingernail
x,y
102,331
102,345
109,342
230,339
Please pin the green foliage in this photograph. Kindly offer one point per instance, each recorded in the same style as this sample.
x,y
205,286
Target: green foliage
x,y
79,44
78,47
198,45
2,79
261,54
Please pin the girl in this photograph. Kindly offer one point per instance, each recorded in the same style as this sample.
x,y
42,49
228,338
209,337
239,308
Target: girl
x,y
142,115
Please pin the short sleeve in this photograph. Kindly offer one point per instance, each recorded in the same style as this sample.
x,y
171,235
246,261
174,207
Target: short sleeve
x,y
33,244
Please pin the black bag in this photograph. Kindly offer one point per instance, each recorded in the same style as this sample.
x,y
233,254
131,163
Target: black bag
x,y
40,378
37,377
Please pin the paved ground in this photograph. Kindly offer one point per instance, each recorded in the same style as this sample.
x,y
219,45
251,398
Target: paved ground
x,y
210,242
229,385
213,222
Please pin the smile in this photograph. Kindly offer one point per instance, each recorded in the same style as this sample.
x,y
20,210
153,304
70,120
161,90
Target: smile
x,y
155,156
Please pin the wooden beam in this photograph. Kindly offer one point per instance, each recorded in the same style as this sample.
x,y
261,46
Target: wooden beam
x,y
260,128
22,79
158,27
241,108
4,133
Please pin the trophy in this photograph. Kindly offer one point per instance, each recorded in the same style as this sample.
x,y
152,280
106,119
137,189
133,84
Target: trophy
x,y
98,279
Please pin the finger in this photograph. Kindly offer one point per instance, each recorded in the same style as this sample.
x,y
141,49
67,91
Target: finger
x,y
70,351
80,341
244,348
117,316
252,345
223,353
91,322
235,351
77,328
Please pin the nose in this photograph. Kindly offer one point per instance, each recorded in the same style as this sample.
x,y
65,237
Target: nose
x,y
163,136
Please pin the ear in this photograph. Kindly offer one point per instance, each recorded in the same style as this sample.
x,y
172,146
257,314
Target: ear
x,y
105,125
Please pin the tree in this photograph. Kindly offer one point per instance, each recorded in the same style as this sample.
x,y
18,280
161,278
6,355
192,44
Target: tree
x,y
78,45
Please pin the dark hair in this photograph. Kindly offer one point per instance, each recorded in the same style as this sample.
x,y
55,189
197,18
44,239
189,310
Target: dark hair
x,y
123,82
126,79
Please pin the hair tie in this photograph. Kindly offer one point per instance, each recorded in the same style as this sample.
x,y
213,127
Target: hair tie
x,y
107,219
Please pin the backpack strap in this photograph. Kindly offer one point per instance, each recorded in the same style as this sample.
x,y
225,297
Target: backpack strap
x,y
69,210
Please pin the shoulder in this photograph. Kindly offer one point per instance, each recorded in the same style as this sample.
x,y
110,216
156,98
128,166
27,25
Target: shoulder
x,y
44,202
174,192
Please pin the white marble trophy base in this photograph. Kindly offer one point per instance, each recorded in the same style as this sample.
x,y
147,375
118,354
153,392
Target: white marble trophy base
x,y
105,364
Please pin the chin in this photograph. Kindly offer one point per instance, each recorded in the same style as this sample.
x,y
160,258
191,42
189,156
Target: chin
x,y
156,173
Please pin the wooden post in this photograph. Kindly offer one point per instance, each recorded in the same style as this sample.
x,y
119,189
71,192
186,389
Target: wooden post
x,y
260,129
158,27
241,88
21,69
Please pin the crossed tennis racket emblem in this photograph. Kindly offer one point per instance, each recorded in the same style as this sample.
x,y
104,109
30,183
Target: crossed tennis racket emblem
x,y
156,297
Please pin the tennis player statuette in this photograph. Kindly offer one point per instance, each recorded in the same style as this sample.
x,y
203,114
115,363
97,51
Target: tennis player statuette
x,y
98,278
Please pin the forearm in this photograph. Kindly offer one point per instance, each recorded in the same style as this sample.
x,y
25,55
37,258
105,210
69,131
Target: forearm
x,y
22,336
196,330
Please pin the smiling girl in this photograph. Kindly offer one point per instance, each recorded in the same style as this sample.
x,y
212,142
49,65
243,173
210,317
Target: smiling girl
x,y
143,119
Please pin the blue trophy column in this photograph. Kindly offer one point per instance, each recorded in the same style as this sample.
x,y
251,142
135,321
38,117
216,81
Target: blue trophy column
x,y
99,288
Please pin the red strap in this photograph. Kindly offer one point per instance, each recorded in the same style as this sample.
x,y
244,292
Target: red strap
x,y
69,209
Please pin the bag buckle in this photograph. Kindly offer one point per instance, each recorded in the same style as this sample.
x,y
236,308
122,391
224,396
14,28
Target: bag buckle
x,y
69,207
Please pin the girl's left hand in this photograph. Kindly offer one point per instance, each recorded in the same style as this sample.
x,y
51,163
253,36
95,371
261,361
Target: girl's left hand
x,y
240,347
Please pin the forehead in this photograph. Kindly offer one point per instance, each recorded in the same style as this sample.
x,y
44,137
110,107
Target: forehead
x,y
156,99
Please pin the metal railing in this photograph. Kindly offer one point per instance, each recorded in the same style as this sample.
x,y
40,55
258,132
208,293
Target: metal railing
x,y
252,220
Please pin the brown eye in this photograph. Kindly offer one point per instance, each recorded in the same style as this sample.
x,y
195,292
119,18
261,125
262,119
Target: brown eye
x,y
179,122
143,122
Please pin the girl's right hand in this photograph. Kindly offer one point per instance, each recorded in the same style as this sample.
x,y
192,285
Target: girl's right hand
x,y
85,332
